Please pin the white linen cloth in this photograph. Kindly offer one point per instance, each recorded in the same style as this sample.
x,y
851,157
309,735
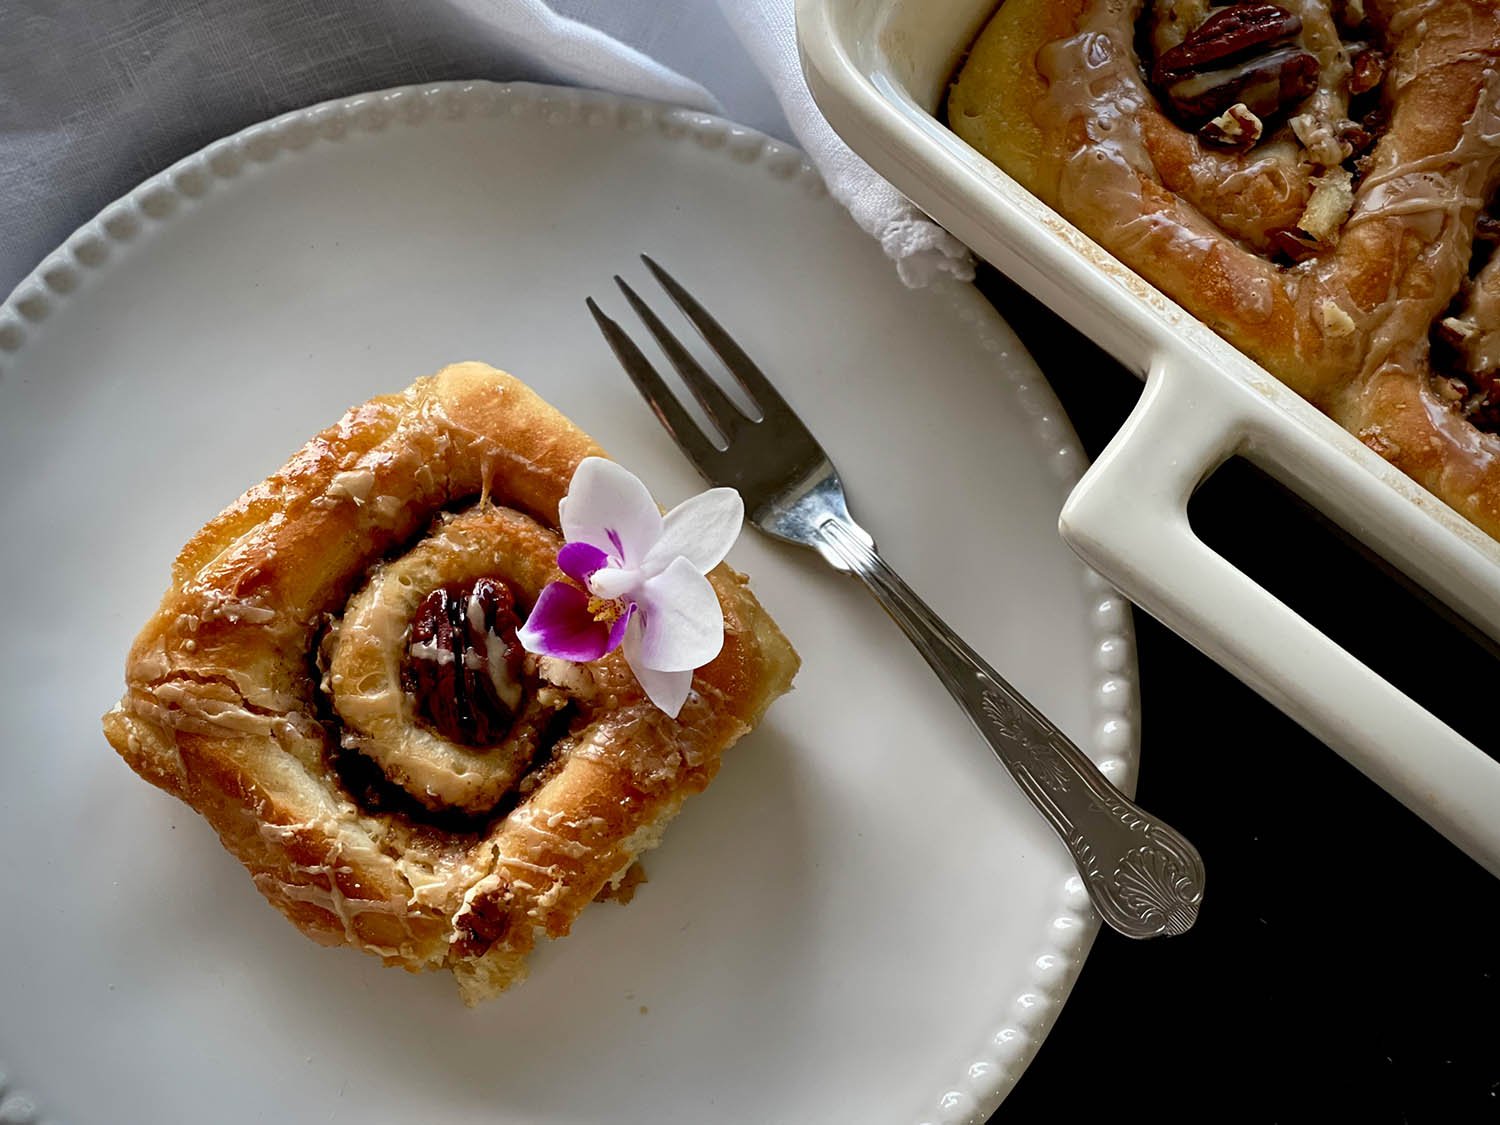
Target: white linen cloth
x,y
95,97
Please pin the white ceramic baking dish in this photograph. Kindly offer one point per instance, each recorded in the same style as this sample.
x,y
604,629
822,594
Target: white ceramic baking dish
x,y
879,70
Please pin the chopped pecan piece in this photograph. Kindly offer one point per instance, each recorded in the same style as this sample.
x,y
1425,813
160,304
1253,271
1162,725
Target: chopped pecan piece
x,y
1366,70
484,919
1323,140
1355,135
1236,127
1456,332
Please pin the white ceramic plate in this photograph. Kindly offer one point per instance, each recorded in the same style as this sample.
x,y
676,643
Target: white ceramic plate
x,y
861,921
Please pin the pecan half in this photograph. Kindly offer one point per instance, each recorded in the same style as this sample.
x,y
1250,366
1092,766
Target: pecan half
x,y
463,662
1266,85
1228,34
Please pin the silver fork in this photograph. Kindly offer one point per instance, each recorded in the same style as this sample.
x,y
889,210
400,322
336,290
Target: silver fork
x,y
1144,878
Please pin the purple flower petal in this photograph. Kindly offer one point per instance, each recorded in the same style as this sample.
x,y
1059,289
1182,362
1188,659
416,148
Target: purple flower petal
x,y
561,625
579,561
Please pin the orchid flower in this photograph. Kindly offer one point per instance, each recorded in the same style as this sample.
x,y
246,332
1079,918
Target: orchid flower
x,y
637,580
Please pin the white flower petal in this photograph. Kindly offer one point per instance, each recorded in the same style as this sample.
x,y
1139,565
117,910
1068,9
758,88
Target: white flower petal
x,y
668,691
701,529
609,507
683,623
614,582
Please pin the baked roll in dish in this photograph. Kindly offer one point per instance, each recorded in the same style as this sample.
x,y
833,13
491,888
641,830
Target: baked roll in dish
x,y
335,681
1314,181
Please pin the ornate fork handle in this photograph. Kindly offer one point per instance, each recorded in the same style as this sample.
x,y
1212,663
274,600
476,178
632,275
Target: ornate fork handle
x,y
1142,875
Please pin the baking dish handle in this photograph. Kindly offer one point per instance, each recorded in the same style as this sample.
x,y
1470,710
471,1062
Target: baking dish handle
x,y
1127,518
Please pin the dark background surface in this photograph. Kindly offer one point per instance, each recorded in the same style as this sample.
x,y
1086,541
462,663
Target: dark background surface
x,y
1344,966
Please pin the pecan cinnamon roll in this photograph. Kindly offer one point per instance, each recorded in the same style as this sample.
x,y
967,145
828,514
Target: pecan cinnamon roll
x,y
334,682
1313,180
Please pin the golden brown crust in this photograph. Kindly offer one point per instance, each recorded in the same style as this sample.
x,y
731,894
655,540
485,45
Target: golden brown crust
x,y
1054,93
222,708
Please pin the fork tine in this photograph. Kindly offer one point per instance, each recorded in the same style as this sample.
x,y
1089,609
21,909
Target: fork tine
x,y
664,404
721,410
749,376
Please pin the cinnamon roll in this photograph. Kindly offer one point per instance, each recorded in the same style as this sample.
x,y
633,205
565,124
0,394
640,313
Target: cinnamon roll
x,y
334,681
1314,180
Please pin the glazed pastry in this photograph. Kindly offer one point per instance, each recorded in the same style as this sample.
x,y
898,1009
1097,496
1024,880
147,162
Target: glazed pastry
x,y
1313,181
334,681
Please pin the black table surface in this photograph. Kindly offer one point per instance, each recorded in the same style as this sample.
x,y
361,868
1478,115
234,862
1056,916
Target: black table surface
x,y
1344,966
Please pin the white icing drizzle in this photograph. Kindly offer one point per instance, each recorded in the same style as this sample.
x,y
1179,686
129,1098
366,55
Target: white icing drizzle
x,y
234,610
526,818
430,650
